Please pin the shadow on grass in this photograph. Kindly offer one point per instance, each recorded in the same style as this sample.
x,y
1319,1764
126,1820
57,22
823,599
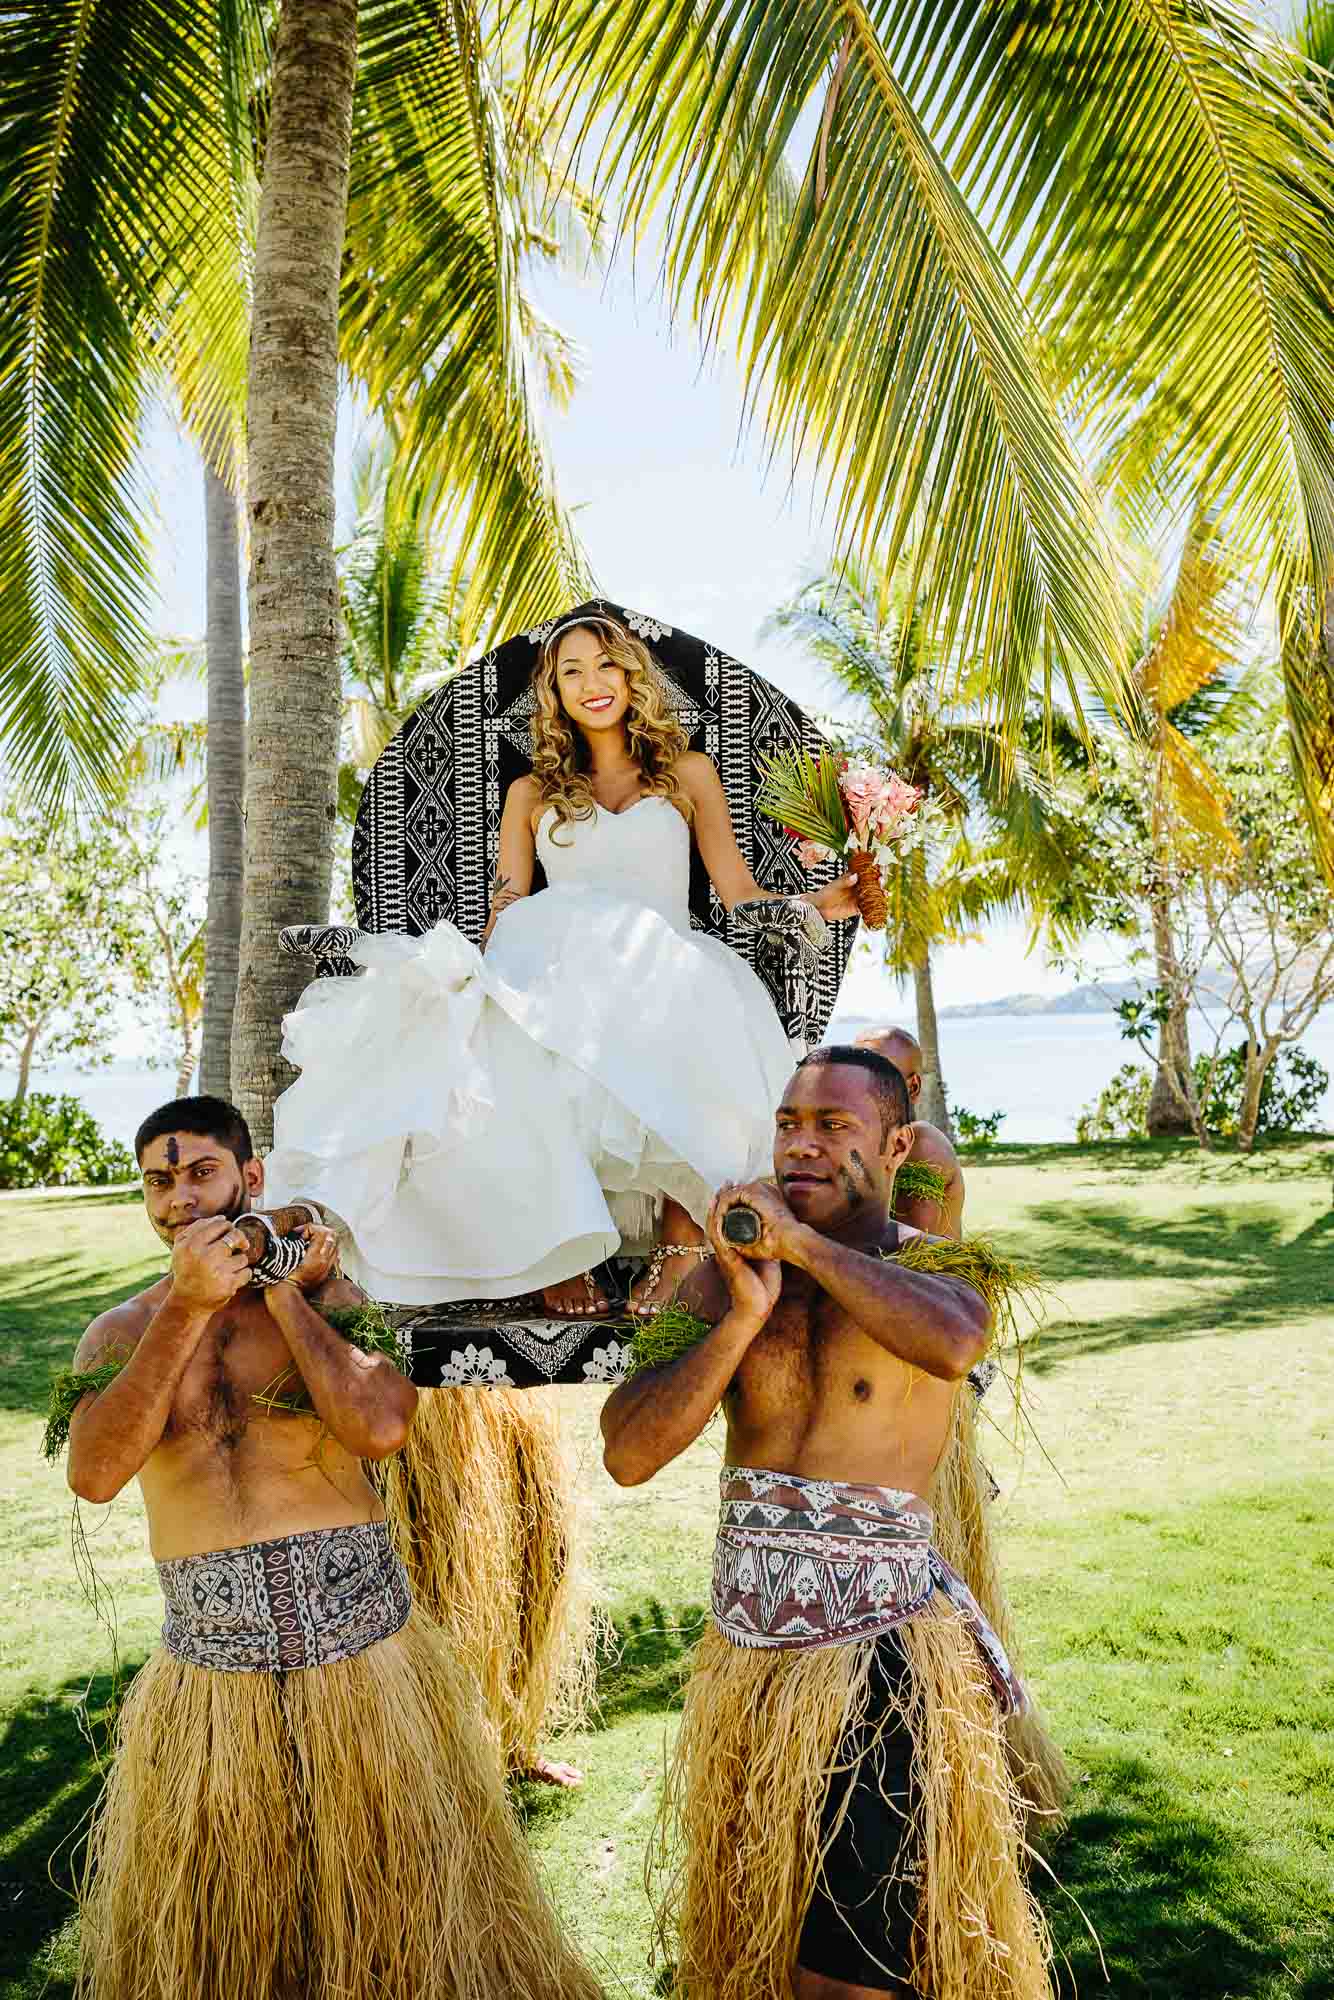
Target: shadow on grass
x,y
47,1305
1176,1903
1282,1157
1230,1268
642,1661
642,1668
49,1781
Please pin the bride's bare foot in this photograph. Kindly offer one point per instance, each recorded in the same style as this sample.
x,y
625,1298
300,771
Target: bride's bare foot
x,y
543,1771
577,1298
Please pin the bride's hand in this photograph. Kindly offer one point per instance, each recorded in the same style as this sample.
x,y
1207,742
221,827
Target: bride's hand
x,y
837,899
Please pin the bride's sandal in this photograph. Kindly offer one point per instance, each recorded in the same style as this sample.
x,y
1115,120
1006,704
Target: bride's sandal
x,y
643,1307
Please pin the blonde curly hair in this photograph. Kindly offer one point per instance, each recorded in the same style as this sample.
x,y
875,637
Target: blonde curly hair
x,y
561,762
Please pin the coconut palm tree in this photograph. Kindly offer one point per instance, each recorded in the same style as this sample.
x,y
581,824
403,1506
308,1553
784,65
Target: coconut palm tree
x,y
1186,637
292,414
435,321
453,181
1004,834
225,780
1018,229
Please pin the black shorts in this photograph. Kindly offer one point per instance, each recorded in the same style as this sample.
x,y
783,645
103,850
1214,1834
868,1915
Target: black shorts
x,y
859,1927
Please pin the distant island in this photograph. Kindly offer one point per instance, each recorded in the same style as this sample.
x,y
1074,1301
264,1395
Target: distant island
x,y
1079,1000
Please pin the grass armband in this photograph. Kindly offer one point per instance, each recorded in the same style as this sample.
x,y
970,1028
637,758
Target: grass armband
x,y
919,1181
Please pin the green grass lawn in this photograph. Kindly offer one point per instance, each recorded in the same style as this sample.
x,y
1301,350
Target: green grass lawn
x,y
1168,1546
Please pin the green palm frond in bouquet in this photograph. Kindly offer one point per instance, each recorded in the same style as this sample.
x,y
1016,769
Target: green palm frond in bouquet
x,y
802,793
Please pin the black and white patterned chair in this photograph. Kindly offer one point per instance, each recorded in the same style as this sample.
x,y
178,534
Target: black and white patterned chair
x,y
424,851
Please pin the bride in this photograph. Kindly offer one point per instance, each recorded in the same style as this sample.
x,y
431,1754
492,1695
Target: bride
x,y
479,1125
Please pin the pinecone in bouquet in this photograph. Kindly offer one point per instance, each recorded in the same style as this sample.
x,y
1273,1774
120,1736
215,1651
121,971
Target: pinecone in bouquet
x,y
844,808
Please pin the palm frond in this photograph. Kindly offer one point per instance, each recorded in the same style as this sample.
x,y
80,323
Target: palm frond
x,y
883,333
201,335
165,750
802,793
1200,636
1153,171
104,214
369,728
1307,629
436,225
1195,794
1315,33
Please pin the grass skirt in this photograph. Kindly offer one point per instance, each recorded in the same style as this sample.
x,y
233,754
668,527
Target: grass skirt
x,y
482,1504
738,1847
333,1834
960,1502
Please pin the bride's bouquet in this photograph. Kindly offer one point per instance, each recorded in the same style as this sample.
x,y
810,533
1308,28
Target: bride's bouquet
x,y
841,806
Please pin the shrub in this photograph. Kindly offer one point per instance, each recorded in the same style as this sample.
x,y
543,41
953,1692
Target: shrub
x,y
54,1142
1290,1096
1122,1110
976,1128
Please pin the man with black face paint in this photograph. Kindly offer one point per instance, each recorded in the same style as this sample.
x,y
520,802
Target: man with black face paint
x,y
303,1798
839,1811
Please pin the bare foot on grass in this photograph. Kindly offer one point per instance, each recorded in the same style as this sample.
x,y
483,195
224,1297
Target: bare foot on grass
x,y
545,1771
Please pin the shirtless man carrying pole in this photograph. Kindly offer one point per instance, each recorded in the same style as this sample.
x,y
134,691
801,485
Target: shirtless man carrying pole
x,y
303,1800
930,1147
839,1818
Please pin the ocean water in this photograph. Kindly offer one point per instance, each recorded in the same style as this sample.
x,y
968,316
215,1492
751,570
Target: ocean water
x,y
1041,1070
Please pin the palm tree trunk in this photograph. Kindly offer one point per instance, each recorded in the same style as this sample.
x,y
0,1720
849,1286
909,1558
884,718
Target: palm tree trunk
x,y
1169,1102
294,682
931,1104
226,782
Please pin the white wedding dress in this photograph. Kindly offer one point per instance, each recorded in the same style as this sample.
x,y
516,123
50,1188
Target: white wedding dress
x,y
474,1124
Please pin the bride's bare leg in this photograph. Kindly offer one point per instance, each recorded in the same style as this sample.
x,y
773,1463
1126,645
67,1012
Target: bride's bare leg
x,y
577,1298
670,1265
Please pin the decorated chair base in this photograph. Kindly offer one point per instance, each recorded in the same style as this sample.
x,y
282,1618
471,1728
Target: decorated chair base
x,y
512,1343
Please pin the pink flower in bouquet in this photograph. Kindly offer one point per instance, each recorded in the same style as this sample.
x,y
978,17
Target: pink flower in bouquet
x,y
878,802
897,805
861,786
810,853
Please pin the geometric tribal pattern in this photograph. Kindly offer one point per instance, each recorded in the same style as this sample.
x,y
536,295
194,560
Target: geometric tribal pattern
x,y
428,828
508,1344
281,1606
816,1562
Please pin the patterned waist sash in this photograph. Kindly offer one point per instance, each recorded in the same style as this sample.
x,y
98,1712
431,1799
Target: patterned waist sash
x,y
272,1607
817,1562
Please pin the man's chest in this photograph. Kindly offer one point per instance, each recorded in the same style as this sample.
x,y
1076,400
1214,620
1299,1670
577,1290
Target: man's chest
x,y
241,1356
786,1364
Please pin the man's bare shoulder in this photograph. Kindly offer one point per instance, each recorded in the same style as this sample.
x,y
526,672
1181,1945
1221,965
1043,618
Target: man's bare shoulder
x,y
931,1148
120,1328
